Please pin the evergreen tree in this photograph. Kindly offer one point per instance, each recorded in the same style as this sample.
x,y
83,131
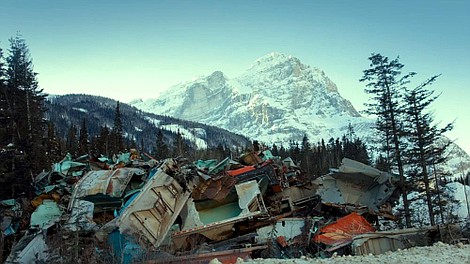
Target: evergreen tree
x,y
103,141
294,152
180,148
142,145
305,154
53,146
71,143
7,155
117,132
381,163
275,150
283,152
424,150
24,102
323,153
83,140
161,149
355,149
385,84
5,114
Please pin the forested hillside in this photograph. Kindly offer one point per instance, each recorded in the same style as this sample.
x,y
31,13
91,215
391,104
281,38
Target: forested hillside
x,y
139,129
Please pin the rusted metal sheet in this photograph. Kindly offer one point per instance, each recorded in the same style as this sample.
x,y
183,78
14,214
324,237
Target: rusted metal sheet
x,y
241,170
214,188
152,213
343,230
250,159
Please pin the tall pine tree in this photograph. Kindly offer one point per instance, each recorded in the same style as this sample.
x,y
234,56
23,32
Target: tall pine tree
x,y
83,140
71,143
425,140
161,149
117,132
24,102
386,84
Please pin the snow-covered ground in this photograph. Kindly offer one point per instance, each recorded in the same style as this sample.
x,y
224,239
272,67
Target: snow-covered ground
x,y
438,253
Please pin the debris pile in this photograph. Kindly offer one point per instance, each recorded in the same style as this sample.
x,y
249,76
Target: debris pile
x,y
134,208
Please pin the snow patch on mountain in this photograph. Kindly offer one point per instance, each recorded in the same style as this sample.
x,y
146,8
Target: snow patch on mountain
x,y
194,135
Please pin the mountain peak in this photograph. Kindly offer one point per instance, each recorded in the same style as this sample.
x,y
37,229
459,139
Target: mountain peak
x,y
217,78
274,59
274,55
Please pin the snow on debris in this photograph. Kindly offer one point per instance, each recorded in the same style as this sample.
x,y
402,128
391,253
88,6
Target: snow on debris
x,y
438,253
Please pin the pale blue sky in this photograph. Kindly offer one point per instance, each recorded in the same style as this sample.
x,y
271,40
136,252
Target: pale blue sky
x,y
136,49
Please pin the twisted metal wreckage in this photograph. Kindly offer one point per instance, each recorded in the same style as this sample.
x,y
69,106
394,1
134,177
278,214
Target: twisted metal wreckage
x,y
175,211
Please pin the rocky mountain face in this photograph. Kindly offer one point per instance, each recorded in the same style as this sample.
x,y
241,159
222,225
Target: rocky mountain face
x,y
277,100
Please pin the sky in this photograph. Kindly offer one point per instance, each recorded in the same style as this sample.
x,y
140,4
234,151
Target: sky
x,y
137,49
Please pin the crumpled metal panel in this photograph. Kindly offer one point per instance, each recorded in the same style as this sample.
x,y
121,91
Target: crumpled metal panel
x,y
352,166
384,241
357,184
289,228
214,188
109,182
377,245
31,248
152,213
81,217
68,167
225,164
205,165
46,215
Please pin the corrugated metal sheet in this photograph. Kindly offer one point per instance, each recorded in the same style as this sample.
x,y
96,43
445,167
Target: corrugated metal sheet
x,y
378,245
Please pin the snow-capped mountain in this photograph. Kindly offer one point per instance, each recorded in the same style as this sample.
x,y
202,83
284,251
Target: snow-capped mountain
x,y
276,100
